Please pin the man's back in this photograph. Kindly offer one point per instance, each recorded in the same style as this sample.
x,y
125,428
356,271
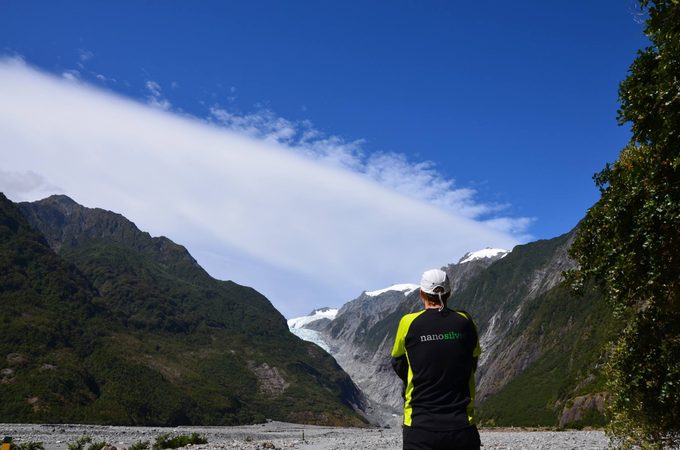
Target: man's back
x,y
435,354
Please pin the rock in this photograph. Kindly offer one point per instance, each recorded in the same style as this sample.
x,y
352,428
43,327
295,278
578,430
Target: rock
x,y
575,410
36,403
269,379
16,359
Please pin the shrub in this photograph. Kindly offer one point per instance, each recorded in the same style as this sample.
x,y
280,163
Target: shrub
x,y
166,441
141,445
97,445
79,443
30,445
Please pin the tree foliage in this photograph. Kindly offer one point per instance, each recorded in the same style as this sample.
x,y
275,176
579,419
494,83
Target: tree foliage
x,y
630,242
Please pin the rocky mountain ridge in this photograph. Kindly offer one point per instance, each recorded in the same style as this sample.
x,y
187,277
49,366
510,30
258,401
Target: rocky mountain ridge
x,y
361,335
529,325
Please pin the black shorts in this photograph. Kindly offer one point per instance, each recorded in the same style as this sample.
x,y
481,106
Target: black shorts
x,y
420,439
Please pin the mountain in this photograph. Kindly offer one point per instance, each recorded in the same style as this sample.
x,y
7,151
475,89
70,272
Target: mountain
x,y
106,324
362,334
542,346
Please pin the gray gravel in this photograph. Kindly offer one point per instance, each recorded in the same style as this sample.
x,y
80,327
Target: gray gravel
x,y
278,435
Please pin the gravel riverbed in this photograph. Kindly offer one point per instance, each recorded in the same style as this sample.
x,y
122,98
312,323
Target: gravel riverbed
x,y
278,435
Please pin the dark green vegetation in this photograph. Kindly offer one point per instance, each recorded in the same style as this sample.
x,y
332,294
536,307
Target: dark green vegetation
x,y
104,324
163,441
80,443
98,445
30,445
140,445
86,443
182,440
629,242
570,337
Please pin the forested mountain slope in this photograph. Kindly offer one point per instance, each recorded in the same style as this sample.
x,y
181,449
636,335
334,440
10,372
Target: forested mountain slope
x,y
109,325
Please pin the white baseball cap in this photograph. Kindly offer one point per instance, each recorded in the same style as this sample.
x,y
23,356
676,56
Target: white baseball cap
x,y
433,279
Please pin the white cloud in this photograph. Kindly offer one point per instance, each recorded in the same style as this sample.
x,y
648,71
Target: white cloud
x,y
155,97
103,78
418,180
262,125
85,55
307,219
514,226
71,75
25,185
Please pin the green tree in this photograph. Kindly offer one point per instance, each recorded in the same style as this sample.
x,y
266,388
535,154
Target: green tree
x,y
629,242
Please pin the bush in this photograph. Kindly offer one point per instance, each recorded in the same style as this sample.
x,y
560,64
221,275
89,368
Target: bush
x,y
79,443
97,445
166,441
141,445
30,445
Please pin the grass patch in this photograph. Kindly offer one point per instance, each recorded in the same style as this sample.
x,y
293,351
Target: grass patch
x,y
97,445
30,445
168,441
141,445
79,444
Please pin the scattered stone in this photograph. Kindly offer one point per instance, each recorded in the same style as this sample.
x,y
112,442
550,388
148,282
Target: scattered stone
x,y
284,436
269,379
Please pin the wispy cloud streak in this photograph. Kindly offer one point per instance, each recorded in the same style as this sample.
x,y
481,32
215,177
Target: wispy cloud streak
x,y
155,96
418,180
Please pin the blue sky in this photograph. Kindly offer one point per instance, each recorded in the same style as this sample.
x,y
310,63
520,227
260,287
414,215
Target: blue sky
x,y
496,113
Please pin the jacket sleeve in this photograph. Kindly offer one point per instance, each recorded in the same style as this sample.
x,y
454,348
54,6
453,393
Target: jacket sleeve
x,y
400,366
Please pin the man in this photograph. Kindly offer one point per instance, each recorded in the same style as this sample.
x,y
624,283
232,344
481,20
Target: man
x,y
435,354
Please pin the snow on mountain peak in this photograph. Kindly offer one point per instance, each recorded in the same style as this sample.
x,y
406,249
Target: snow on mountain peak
x,y
317,314
484,253
405,288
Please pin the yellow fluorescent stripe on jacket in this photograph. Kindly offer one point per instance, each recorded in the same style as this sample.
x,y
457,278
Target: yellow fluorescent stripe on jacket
x,y
398,350
472,416
408,395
